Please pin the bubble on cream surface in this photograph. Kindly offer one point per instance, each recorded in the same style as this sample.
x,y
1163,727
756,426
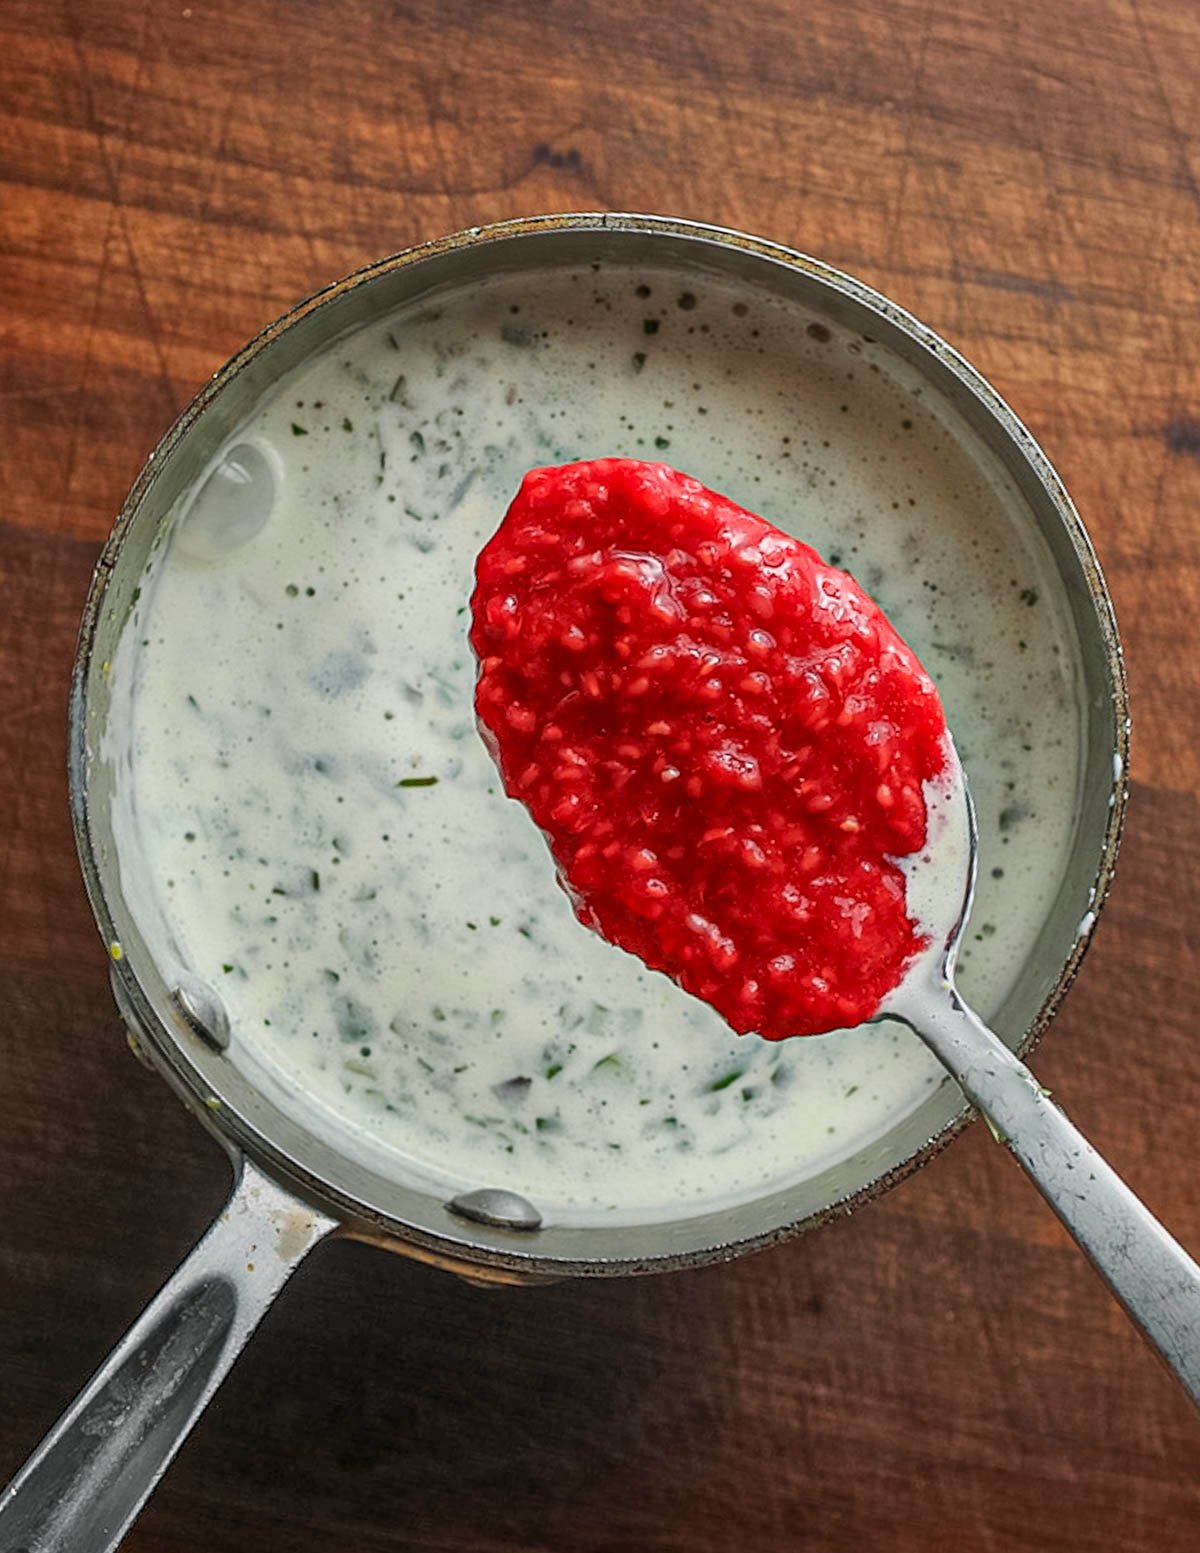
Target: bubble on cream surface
x,y
319,833
231,505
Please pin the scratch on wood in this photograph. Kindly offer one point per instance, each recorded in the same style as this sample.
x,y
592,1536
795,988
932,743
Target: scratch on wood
x,y
1049,290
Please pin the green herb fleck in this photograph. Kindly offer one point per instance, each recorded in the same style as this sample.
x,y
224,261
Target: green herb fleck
x,y
725,1080
354,1022
424,781
299,431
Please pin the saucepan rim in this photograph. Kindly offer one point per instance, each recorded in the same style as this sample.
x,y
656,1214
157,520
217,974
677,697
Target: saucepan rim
x,y
167,1047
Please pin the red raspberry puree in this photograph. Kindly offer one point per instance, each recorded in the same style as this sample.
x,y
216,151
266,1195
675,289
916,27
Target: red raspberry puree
x,y
722,738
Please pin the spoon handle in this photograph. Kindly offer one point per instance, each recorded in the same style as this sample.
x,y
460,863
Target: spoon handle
x,y
1150,1273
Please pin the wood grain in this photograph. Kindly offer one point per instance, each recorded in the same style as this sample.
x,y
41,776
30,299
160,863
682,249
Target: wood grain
x,y
940,1372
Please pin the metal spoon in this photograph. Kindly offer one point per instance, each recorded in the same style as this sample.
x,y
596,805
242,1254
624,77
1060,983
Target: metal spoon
x,y
1151,1275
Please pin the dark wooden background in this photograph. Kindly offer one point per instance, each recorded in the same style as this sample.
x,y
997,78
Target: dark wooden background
x,y
941,1372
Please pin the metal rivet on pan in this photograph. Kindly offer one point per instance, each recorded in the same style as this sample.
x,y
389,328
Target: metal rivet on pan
x,y
203,1013
493,1205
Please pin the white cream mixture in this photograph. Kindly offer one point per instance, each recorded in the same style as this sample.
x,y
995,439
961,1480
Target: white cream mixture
x,y
327,838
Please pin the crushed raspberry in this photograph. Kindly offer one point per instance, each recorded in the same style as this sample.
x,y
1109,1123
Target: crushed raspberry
x,y
722,738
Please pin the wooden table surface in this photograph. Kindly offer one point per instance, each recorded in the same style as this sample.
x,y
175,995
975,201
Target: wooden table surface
x,y
940,1372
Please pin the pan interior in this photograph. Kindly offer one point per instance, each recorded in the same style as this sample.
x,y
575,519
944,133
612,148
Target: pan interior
x,y
409,995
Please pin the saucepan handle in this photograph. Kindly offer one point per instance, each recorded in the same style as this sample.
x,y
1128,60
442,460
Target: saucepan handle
x,y
87,1480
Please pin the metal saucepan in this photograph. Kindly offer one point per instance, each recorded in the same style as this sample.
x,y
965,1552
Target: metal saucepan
x,y
292,1189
